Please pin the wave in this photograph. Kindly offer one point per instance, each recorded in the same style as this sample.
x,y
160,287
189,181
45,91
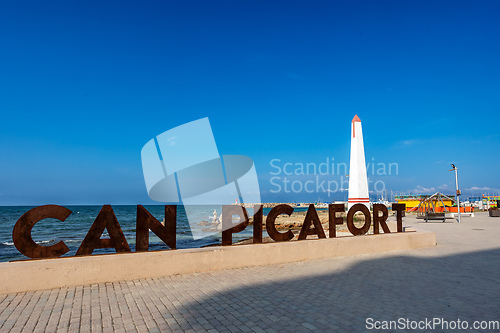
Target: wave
x,y
46,241
39,242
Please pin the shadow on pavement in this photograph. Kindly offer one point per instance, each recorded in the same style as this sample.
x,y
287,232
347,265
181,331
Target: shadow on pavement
x,y
465,287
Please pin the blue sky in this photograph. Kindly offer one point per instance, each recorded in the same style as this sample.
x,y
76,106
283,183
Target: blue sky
x,y
84,85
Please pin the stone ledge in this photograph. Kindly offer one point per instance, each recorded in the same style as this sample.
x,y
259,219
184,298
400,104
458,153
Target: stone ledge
x,y
22,276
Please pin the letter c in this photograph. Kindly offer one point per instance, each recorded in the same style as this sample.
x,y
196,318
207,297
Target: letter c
x,y
271,228
21,234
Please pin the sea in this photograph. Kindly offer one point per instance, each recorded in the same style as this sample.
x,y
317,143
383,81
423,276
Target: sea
x,y
73,230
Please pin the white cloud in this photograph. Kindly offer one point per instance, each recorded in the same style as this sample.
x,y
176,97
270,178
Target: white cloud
x,y
424,190
475,188
443,187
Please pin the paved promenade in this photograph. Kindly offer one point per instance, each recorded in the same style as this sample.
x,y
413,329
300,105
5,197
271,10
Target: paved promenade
x,y
457,279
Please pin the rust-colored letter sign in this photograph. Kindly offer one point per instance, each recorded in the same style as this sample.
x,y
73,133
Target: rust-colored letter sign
x,y
311,216
106,219
399,208
380,220
271,228
333,220
227,221
350,220
22,232
257,224
146,221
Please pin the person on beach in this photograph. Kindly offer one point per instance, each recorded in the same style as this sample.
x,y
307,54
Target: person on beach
x,y
214,218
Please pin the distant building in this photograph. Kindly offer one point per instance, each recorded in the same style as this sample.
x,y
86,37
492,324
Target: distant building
x,y
412,201
445,203
490,201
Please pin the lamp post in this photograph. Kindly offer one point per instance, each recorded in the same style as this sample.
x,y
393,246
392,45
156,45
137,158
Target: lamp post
x,y
458,191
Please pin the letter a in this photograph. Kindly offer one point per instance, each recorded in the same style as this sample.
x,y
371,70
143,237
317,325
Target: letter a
x,y
106,219
311,216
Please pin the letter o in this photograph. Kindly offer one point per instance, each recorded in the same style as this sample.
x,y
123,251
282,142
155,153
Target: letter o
x,y
350,220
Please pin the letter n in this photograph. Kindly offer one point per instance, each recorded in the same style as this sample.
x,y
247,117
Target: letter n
x,y
106,219
146,222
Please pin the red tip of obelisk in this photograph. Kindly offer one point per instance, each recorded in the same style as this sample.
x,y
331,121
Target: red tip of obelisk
x,y
356,119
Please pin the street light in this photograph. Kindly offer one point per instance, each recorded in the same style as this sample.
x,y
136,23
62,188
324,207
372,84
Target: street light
x,y
458,191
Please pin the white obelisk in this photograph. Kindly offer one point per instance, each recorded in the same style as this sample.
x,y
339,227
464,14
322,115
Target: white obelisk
x,y
358,181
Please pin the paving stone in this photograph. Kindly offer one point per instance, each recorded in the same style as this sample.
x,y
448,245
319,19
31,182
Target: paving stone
x,y
458,278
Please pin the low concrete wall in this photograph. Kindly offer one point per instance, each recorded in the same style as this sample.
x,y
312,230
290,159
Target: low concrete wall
x,y
44,274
